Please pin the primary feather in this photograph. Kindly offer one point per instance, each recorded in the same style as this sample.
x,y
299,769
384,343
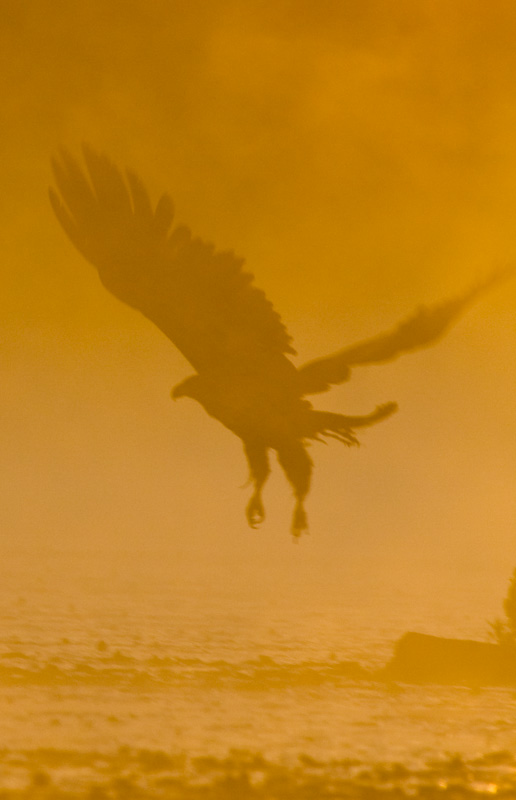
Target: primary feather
x,y
206,303
201,299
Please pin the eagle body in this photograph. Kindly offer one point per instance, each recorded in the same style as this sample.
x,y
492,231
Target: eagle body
x,y
207,305
248,409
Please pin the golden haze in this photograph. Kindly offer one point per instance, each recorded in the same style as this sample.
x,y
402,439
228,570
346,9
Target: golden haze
x,y
362,159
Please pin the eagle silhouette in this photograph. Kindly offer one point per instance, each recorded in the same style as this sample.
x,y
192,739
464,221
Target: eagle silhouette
x,y
206,304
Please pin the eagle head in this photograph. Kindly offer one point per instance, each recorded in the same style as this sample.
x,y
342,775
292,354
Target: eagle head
x,y
187,388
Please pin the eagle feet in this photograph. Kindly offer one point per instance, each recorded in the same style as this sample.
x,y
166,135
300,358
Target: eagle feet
x,y
255,511
299,521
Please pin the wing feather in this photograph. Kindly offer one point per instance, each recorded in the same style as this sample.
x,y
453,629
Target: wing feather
x,y
420,330
141,201
108,184
201,299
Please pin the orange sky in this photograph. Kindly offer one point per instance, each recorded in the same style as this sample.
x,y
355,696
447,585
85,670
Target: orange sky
x,y
362,157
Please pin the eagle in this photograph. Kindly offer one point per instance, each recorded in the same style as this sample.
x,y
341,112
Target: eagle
x,y
206,303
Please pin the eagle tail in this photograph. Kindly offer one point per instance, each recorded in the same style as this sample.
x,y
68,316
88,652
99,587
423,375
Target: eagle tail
x,y
341,427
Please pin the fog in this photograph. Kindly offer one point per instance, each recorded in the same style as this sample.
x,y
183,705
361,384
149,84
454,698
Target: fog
x,y
362,159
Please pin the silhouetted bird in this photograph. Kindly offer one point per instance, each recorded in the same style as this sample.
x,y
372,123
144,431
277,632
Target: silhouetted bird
x,y
206,304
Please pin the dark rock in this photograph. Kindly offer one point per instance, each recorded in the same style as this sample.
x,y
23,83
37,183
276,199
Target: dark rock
x,y
419,658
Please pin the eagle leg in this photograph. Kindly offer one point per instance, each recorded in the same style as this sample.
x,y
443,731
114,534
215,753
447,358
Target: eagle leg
x,y
259,470
297,466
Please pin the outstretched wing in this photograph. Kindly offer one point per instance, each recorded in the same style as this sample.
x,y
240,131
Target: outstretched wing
x,y
201,299
422,329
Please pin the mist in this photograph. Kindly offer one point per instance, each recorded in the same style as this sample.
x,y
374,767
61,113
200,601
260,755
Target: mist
x,y
362,160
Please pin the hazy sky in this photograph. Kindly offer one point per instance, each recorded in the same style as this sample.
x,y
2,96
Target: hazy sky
x,y
362,157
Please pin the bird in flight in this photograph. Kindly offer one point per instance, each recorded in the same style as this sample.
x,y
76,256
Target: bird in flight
x,y
206,304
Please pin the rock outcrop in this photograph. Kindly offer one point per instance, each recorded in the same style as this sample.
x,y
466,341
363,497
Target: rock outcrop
x,y
420,658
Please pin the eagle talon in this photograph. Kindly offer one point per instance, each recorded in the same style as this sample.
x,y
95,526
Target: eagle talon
x,y
299,522
255,512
